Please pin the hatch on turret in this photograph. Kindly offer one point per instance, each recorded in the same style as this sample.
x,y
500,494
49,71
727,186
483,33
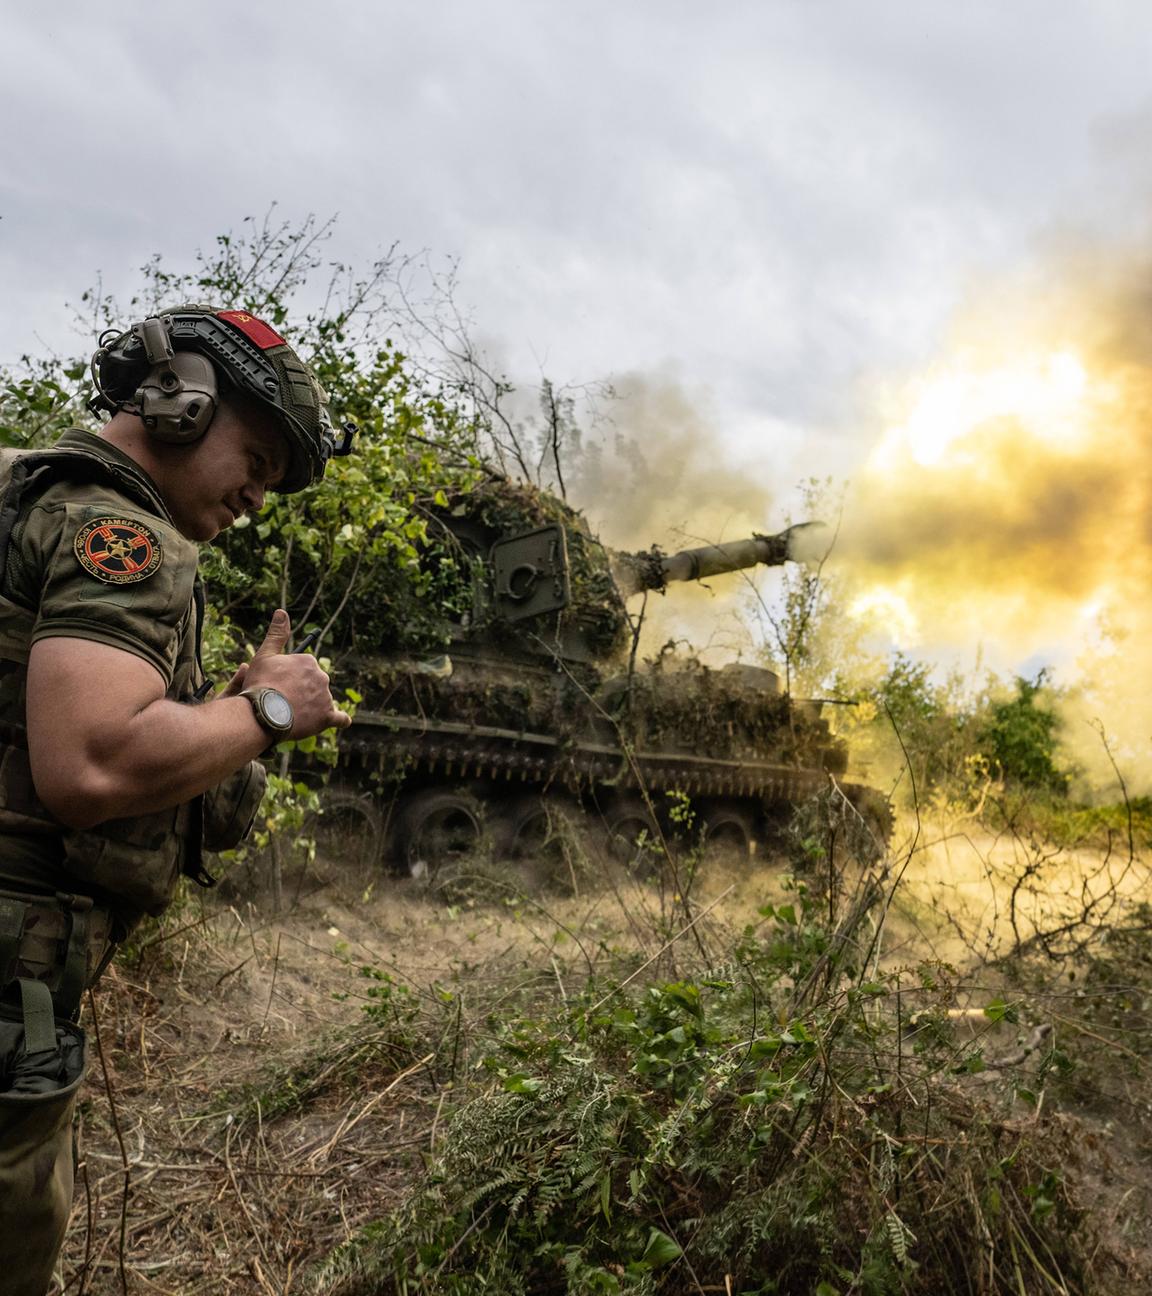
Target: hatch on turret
x,y
531,574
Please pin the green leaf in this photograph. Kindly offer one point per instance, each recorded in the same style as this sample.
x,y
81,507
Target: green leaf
x,y
661,1250
522,1084
973,1064
998,1010
766,1047
797,1033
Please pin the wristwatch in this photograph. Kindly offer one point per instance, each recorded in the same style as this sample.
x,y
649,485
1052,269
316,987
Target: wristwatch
x,y
272,709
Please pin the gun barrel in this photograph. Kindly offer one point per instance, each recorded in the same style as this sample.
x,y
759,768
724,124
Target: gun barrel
x,y
655,570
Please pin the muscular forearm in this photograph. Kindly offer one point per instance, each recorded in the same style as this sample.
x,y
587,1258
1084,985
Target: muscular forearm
x,y
122,748
167,754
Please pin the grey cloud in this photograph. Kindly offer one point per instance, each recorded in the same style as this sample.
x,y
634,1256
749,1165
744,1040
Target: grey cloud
x,y
773,198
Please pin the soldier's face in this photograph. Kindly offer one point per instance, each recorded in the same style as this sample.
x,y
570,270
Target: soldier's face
x,y
227,472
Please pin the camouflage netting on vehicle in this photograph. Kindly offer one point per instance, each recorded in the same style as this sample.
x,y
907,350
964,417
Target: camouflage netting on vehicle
x,y
695,710
510,508
419,609
690,710
530,704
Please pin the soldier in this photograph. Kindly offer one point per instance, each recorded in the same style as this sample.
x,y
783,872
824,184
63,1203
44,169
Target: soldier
x,y
116,767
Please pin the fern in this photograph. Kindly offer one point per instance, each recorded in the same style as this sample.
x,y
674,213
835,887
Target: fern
x,y
764,1136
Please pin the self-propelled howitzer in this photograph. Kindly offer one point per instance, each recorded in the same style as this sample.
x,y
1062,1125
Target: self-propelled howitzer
x,y
537,714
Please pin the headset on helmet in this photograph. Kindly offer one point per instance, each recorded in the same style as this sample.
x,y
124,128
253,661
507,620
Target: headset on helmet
x,y
166,369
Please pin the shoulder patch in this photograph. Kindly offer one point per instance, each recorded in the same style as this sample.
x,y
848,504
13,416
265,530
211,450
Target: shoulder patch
x,y
118,551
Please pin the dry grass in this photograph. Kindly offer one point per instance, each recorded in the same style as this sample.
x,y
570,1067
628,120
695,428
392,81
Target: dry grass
x,y
263,1123
220,1200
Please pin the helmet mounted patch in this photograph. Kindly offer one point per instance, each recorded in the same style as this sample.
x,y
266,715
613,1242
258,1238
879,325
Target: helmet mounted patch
x,y
255,330
118,551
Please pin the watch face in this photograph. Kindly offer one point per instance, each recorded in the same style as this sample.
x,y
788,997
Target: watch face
x,y
278,709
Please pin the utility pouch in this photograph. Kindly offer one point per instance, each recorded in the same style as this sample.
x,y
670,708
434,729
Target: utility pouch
x,y
136,860
62,940
42,1063
230,807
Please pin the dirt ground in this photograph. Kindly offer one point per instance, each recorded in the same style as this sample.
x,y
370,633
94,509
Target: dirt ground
x,y
202,1171
199,1028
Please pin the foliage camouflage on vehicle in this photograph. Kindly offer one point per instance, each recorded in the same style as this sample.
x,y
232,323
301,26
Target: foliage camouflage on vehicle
x,y
536,707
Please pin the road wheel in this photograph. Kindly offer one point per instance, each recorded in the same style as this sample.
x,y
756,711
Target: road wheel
x,y
437,831
349,831
871,836
727,837
544,842
632,837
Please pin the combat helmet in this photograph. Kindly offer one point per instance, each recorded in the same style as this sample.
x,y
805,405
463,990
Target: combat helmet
x,y
168,367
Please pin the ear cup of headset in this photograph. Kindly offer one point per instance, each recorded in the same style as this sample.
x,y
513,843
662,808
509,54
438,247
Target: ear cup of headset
x,y
178,397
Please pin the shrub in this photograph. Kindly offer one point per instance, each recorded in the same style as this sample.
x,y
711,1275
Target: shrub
x,y
790,1123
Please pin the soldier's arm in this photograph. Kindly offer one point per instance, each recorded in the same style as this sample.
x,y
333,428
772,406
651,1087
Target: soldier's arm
x,y
105,743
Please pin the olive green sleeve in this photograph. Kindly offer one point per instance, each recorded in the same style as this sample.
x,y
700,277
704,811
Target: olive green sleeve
x,y
114,576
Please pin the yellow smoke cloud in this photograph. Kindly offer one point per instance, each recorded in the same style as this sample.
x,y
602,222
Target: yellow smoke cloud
x,y
1007,503
1003,512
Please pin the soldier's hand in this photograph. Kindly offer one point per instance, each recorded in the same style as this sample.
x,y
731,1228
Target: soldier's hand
x,y
236,683
298,676
276,636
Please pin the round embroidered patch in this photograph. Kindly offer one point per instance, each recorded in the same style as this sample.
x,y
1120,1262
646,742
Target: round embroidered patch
x,y
117,550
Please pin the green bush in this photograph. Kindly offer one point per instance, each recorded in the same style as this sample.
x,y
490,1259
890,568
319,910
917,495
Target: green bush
x,y
956,737
1019,736
792,1124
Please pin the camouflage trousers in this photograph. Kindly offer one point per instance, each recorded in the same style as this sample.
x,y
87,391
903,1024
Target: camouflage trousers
x,y
49,951
42,1062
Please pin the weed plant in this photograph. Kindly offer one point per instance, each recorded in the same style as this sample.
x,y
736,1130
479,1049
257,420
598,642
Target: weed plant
x,y
787,1119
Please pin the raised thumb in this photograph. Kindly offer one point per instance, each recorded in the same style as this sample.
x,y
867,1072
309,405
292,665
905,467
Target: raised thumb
x,y
277,636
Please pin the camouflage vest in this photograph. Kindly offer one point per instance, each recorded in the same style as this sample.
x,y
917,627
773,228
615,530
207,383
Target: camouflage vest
x,y
130,864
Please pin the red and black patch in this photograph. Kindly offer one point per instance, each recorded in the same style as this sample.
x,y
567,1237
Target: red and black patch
x,y
118,551
255,330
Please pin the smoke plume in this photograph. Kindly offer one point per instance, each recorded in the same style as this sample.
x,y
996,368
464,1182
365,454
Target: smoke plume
x,y
661,476
1007,505
1002,512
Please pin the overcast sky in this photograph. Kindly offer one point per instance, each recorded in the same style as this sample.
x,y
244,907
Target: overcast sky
x,y
774,203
